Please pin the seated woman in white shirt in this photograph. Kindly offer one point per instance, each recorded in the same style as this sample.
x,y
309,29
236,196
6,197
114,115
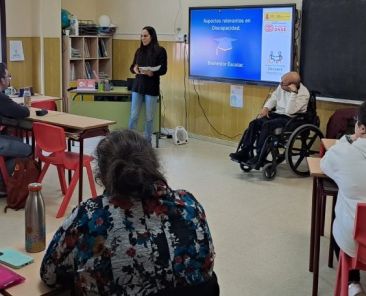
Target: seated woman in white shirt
x,y
345,163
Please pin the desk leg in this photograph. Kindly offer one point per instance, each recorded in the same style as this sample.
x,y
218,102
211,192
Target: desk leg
x,y
81,158
317,240
159,125
312,230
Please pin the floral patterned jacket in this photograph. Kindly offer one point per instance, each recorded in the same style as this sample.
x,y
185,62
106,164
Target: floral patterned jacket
x,y
132,247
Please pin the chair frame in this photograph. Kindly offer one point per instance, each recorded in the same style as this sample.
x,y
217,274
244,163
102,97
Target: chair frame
x,y
347,262
62,160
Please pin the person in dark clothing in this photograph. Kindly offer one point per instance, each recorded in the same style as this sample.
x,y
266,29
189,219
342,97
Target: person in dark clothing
x,y
10,146
146,85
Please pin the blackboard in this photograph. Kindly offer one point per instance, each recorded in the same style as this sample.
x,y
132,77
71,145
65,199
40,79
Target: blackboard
x,y
333,48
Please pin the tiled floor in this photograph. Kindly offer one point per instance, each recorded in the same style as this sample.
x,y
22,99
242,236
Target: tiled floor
x,y
260,228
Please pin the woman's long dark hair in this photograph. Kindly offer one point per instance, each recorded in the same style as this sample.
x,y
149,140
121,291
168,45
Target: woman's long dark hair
x,y
127,165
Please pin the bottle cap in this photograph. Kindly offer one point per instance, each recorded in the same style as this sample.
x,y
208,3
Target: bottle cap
x,y
34,187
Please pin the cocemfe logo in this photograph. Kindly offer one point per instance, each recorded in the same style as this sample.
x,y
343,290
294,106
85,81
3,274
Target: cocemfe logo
x,y
268,28
275,28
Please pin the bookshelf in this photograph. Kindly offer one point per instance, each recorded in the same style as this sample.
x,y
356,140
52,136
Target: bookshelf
x,y
84,55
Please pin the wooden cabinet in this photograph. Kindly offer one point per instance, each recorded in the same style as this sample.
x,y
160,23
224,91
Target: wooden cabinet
x,y
85,56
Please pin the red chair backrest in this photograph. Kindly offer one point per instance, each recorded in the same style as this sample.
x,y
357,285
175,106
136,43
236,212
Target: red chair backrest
x,y
48,105
49,138
360,232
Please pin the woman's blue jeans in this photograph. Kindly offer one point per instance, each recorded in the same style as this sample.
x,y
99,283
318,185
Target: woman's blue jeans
x,y
150,106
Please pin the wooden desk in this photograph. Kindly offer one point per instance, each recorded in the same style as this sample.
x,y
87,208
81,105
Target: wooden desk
x,y
33,284
78,128
316,218
36,98
115,109
327,143
116,91
316,173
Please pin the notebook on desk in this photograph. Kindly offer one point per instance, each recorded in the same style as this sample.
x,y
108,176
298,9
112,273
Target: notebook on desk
x,y
9,278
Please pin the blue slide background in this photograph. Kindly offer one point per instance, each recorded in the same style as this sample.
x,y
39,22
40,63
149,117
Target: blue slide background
x,y
246,49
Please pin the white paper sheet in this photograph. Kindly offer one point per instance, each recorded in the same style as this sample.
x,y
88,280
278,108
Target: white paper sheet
x,y
236,96
16,50
153,69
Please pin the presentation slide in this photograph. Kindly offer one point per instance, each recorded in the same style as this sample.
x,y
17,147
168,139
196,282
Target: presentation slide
x,y
248,44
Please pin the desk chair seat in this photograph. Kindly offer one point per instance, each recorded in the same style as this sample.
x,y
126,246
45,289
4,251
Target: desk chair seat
x,y
51,139
346,262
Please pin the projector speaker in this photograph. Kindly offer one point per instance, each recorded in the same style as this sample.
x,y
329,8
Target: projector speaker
x,y
180,136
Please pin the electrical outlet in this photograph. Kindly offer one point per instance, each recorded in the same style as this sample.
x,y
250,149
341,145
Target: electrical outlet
x,y
179,37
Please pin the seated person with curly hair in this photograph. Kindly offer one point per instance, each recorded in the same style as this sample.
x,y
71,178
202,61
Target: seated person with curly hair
x,y
139,238
290,97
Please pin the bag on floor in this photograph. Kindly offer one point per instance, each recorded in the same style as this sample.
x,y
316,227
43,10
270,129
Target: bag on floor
x,y
26,171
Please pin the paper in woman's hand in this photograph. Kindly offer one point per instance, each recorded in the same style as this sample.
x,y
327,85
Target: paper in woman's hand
x,y
153,69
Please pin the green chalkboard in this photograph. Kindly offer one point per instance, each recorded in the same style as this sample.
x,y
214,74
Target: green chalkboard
x,y
333,48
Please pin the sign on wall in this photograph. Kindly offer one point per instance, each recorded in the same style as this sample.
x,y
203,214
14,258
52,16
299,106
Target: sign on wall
x,y
16,50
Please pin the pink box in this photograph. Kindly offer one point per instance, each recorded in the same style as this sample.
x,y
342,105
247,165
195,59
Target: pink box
x,y
86,84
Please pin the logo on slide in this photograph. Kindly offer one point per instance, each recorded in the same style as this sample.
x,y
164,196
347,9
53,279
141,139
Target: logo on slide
x,y
268,28
224,44
275,58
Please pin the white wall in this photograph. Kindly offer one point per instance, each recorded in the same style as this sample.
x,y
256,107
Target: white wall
x,y
83,9
33,18
25,18
165,15
50,20
19,16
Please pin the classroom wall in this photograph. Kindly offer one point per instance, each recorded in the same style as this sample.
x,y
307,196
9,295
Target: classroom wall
x,y
185,102
83,9
202,107
166,16
37,24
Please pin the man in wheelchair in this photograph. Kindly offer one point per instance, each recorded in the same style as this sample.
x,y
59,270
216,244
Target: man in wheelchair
x,y
289,98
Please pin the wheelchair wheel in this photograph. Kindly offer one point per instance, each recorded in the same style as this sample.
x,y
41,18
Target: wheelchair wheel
x,y
303,142
245,168
269,171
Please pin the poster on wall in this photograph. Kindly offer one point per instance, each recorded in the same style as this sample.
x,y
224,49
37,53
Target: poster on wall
x,y
16,50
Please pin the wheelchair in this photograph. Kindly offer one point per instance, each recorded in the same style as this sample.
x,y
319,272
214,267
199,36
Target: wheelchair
x,y
298,139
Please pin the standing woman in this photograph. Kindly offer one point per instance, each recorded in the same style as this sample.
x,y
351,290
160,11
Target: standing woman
x,y
146,86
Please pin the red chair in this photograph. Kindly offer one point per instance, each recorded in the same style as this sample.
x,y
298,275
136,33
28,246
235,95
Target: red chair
x,y
359,261
52,139
48,105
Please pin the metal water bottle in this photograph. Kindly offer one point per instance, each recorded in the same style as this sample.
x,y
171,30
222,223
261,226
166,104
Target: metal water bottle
x,y
35,223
